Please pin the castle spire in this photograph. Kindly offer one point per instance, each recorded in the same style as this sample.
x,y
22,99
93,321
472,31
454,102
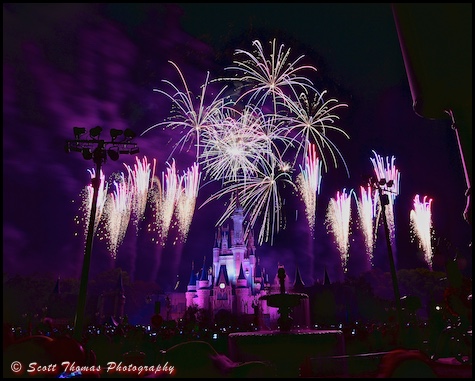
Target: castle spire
x,y
204,273
192,281
298,284
238,218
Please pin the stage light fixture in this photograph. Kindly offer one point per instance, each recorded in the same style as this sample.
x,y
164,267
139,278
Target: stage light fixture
x,y
113,153
115,133
390,183
86,153
129,134
382,182
78,131
95,132
134,150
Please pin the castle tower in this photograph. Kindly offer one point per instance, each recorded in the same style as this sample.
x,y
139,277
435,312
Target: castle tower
x,y
203,290
190,294
223,299
242,292
238,218
216,249
237,245
251,255
258,277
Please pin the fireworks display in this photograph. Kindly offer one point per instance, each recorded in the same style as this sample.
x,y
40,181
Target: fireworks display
x,y
310,120
338,222
308,182
250,142
263,77
421,226
367,212
86,202
187,88
140,182
190,116
117,213
244,140
190,184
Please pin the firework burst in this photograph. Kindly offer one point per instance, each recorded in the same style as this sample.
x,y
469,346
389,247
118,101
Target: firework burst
x,y
139,177
367,213
421,226
309,122
191,114
163,197
260,197
308,182
237,148
250,140
86,203
273,76
190,184
338,222
117,213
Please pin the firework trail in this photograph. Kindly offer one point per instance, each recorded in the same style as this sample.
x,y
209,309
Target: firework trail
x,y
140,183
187,199
309,122
421,226
338,222
260,197
308,182
189,113
117,212
86,204
262,77
164,196
367,213
155,200
385,168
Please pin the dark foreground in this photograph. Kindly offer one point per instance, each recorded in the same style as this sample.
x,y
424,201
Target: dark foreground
x,y
131,354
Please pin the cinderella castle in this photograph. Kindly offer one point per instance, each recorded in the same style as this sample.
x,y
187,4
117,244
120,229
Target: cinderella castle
x,y
235,280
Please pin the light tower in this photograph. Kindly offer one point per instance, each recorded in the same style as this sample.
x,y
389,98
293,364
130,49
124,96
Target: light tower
x,y
97,150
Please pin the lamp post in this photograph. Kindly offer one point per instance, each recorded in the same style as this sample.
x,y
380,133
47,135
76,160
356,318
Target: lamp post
x,y
97,150
384,200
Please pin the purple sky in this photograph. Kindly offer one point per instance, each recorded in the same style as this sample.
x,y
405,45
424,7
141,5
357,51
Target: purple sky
x,y
78,64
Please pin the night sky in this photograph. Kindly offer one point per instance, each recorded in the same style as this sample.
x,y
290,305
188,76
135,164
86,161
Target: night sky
x,y
76,64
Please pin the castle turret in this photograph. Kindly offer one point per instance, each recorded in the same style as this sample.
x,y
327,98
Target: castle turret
x,y
216,249
301,313
203,288
238,248
238,218
242,293
223,291
191,288
251,257
298,286
258,277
